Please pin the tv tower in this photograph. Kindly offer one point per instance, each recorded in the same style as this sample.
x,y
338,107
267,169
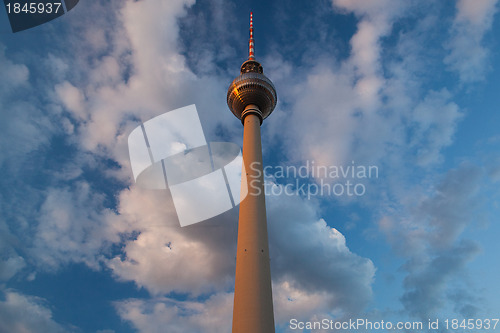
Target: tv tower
x,y
251,97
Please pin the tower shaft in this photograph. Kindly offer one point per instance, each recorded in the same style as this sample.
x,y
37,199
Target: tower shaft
x,y
253,302
252,97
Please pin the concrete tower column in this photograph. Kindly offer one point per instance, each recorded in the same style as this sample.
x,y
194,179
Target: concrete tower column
x,y
253,301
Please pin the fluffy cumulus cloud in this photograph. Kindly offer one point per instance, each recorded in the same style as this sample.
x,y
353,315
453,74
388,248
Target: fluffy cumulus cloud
x,y
164,257
302,243
72,227
313,270
154,315
21,313
10,266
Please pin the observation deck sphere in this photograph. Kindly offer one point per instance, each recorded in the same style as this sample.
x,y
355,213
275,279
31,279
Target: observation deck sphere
x,y
251,88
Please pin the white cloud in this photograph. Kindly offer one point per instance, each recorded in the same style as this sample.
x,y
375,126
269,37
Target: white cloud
x,y
165,257
384,9
13,75
21,313
311,262
10,266
142,75
215,313
468,55
369,108
72,99
477,13
301,304
11,262
72,227
312,257
318,129
157,314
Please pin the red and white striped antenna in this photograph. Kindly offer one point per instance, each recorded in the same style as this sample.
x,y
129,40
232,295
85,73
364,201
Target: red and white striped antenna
x,y
251,54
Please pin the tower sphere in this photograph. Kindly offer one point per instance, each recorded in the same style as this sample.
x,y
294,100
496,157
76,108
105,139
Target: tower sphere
x,y
252,87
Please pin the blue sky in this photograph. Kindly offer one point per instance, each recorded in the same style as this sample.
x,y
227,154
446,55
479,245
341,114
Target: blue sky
x,y
410,87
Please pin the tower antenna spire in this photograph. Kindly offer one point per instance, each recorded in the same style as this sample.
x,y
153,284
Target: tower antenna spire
x,y
251,51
